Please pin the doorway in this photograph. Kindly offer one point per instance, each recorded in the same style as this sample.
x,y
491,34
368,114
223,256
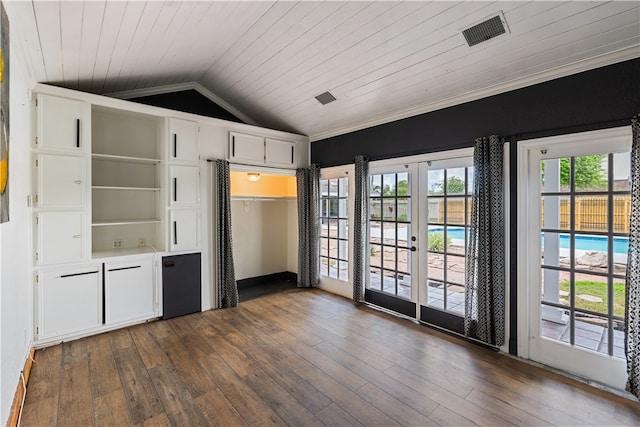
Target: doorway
x,y
574,214
419,213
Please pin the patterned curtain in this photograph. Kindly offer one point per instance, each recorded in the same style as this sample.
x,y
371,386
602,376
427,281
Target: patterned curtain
x,y
308,183
485,278
632,299
360,217
226,276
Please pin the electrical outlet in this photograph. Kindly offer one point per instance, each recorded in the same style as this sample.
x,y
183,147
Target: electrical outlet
x,y
117,243
141,242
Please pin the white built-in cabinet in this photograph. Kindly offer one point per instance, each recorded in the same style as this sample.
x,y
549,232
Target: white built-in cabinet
x,y
116,186
62,124
184,186
69,300
99,209
183,145
129,289
61,181
261,151
279,153
60,237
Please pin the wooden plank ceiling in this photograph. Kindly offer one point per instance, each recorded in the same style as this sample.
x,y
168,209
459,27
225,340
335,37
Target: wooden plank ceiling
x,y
381,60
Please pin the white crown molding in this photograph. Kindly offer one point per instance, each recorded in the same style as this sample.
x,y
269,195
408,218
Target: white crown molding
x,y
158,90
555,73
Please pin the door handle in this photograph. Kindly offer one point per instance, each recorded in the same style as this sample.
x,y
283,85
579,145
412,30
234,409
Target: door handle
x,y
77,133
76,236
175,189
175,145
78,181
125,268
175,232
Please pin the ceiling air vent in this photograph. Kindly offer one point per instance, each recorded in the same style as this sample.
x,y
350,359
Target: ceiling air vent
x,y
325,98
486,30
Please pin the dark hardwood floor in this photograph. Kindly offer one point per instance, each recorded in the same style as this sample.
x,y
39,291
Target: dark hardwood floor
x,y
301,358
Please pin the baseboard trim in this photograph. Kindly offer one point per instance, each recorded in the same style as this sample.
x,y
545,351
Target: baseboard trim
x,y
20,391
259,280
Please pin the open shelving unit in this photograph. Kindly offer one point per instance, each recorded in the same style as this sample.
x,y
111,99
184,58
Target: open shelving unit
x,y
126,182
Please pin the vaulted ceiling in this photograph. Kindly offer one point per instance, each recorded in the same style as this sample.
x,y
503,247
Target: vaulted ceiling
x,y
268,60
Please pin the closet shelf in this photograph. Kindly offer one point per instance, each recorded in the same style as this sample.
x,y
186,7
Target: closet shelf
x,y
261,198
126,159
124,222
107,187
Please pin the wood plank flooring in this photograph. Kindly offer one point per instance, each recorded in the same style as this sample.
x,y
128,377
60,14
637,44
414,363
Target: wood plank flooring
x,y
301,358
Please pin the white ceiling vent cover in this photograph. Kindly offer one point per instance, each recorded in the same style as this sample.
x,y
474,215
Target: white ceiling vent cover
x,y
325,98
486,30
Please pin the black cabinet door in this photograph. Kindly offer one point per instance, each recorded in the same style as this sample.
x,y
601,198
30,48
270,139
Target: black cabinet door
x,y
181,285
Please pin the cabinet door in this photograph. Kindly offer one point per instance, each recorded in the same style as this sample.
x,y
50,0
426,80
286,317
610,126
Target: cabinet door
x,y
279,153
61,181
60,237
246,148
129,291
185,230
184,137
69,301
62,124
185,185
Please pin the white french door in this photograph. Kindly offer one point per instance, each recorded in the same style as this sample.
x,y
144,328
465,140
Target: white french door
x,y
393,246
419,212
573,222
445,214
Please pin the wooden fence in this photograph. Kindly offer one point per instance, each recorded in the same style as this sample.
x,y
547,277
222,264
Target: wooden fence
x,y
590,212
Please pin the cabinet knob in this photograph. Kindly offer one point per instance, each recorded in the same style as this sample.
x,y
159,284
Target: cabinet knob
x,y
78,181
76,236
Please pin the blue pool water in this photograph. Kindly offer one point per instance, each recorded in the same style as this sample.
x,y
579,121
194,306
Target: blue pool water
x,y
583,243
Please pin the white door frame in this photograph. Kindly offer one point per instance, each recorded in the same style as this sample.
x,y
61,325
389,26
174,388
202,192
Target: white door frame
x,y
330,284
530,344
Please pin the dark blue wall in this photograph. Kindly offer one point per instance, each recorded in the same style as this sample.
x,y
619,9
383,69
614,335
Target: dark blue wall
x,y
600,98
188,101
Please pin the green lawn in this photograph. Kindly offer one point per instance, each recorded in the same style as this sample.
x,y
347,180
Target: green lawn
x,y
598,289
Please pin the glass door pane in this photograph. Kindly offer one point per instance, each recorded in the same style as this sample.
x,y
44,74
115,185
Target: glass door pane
x,y
582,268
390,207
449,212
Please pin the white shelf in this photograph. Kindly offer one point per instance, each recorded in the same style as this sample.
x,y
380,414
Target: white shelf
x,y
106,187
124,222
122,252
124,158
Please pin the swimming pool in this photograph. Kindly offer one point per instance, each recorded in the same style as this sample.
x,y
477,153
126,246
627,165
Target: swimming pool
x,y
583,243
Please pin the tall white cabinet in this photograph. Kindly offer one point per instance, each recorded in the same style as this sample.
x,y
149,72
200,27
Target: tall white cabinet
x,y
184,186
100,208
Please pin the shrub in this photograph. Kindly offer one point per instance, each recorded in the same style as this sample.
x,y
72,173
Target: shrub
x,y
436,241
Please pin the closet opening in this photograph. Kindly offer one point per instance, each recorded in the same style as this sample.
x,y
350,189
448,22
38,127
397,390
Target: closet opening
x,y
264,218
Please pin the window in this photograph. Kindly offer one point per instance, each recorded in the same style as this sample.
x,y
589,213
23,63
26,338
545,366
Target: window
x,y
334,240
